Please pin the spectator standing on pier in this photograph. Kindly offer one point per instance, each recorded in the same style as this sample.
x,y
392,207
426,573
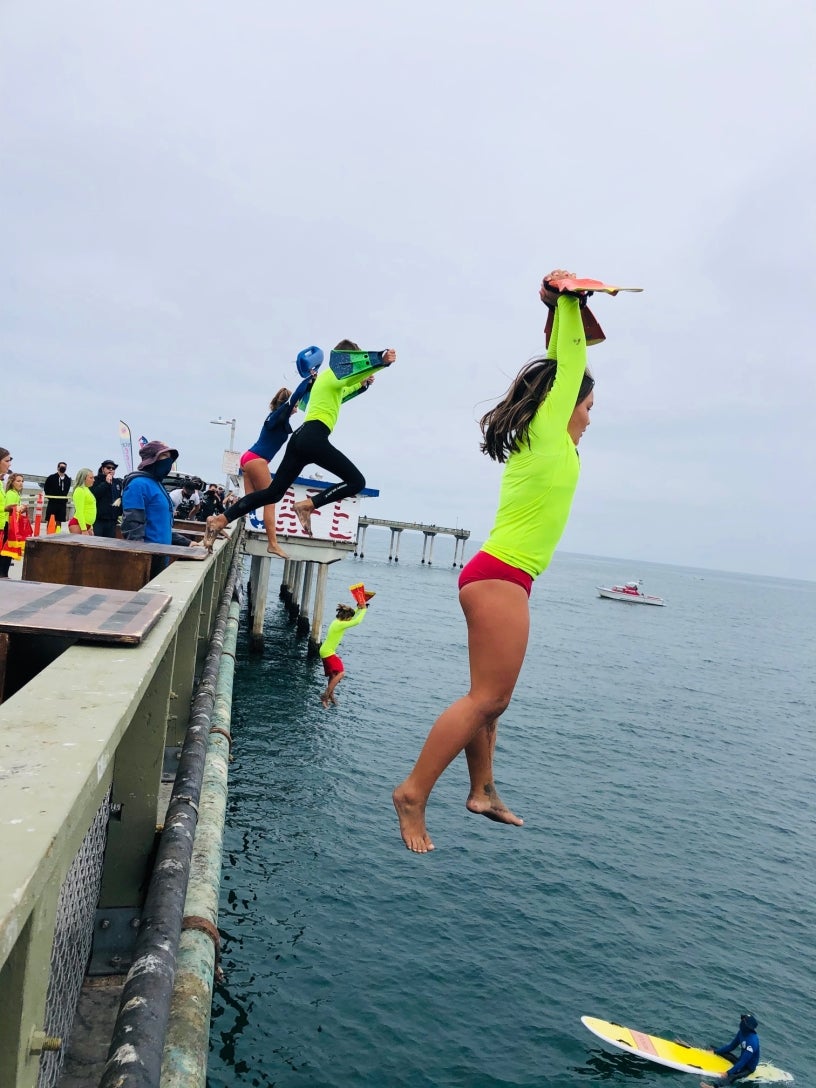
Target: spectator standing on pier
x,y
310,445
84,504
186,501
274,433
534,431
107,490
5,466
56,488
14,535
14,489
148,510
332,665
211,504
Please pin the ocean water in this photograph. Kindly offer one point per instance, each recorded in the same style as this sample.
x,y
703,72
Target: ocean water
x,y
664,761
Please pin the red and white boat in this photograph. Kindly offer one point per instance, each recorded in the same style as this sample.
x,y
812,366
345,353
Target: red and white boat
x,y
630,592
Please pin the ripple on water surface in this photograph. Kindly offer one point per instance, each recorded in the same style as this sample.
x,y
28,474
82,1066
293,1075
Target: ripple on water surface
x,y
663,760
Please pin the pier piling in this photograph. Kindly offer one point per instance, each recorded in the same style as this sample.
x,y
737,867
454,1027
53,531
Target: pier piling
x,y
303,613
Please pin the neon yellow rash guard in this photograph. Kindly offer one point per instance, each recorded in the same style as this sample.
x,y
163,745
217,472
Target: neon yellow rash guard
x,y
539,480
3,513
10,498
328,392
84,506
337,628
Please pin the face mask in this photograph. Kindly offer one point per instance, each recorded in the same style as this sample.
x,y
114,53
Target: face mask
x,y
162,468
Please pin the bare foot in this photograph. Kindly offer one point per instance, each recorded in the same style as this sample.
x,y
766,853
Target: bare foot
x,y
486,802
333,700
212,530
324,700
304,514
276,549
412,822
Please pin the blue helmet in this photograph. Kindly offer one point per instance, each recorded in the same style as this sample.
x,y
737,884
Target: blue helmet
x,y
308,360
749,1021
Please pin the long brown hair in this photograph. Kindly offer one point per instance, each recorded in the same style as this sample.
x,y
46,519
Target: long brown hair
x,y
282,395
505,427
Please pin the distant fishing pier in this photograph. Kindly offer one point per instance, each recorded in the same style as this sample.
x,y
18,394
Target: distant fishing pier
x,y
399,527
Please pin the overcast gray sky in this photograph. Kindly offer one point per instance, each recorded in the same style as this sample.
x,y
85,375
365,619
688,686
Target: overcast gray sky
x,y
193,191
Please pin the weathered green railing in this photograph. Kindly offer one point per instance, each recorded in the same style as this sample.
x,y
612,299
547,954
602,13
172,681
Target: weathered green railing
x,y
89,735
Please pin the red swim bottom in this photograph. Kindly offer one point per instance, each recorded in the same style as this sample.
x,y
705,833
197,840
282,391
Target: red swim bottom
x,y
484,567
332,664
248,456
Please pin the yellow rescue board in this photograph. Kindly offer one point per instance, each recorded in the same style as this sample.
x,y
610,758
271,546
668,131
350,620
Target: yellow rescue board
x,y
686,1059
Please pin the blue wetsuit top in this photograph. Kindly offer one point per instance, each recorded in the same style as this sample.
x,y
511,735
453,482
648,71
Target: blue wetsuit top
x,y
748,1043
276,428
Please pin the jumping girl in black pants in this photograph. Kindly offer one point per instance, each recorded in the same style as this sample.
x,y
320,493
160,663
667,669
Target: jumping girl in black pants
x,y
310,445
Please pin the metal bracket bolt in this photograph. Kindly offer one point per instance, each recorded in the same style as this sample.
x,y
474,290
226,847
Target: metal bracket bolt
x,y
39,1042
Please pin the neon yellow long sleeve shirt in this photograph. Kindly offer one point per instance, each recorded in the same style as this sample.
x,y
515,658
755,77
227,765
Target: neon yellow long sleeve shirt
x,y
328,392
539,480
84,506
337,628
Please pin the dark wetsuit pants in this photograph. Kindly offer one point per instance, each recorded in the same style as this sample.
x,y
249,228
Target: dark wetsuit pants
x,y
309,445
58,509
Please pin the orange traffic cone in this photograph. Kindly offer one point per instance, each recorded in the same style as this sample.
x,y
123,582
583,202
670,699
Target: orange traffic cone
x,y
52,526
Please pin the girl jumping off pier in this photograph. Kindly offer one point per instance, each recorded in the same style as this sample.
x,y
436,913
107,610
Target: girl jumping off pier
x,y
534,431
332,664
310,445
274,433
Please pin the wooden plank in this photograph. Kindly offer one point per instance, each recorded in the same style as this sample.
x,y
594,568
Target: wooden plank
x,y
194,530
96,615
136,547
74,559
71,565
182,524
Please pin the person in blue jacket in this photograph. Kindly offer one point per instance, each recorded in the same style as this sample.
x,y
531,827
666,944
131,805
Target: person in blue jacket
x,y
147,509
747,1042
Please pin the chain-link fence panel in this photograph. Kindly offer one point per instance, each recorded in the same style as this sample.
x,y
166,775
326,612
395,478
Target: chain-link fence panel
x,y
73,936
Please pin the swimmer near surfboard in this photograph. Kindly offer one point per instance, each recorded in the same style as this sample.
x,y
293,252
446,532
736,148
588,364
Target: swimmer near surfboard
x,y
674,1055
